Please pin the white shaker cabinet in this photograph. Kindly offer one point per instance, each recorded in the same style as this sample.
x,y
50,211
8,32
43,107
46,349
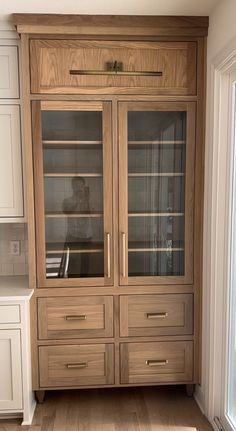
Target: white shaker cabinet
x,y
9,72
16,395
11,180
10,370
11,160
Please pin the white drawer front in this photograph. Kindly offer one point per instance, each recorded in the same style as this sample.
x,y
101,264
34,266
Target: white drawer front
x,y
9,314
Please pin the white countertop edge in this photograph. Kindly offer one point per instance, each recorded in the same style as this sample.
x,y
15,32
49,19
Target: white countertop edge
x,y
16,294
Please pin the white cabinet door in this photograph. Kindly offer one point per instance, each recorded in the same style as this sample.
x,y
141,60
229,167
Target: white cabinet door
x,y
10,370
9,74
11,181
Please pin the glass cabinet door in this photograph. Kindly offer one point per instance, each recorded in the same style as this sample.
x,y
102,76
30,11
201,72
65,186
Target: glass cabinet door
x,y
156,172
72,168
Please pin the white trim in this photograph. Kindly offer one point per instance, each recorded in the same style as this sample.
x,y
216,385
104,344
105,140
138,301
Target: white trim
x,y
8,31
218,204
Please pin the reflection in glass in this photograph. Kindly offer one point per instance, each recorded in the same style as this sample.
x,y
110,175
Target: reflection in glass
x,y
73,193
156,193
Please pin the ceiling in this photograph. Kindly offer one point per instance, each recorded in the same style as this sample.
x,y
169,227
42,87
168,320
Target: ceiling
x,y
114,7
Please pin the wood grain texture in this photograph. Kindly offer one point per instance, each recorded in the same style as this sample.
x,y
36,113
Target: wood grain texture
x,y
76,365
150,315
174,362
52,61
57,317
131,409
111,25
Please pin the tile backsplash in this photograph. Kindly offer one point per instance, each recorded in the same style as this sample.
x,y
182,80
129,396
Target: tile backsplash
x,y
9,264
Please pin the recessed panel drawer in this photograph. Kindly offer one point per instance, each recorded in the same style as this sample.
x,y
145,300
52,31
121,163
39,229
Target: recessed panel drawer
x,y
159,362
83,365
77,66
75,317
150,315
9,314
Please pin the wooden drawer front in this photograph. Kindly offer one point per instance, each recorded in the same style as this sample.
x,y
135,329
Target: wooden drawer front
x,y
157,362
9,314
76,365
52,61
75,317
148,315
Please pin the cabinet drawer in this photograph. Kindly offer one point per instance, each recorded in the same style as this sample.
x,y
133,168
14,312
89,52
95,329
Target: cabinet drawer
x,y
157,362
9,314
75,317
54,62
150,315
76,365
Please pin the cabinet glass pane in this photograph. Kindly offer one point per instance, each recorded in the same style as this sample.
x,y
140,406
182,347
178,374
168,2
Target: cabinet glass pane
x,y
156,193
73,193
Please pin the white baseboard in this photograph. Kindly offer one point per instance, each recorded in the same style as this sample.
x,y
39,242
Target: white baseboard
x,y
199,398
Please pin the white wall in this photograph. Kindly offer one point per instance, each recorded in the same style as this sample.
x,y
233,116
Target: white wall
x,y
222,26
125,7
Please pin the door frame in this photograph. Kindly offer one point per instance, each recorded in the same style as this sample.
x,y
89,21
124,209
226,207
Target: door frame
x,y
217,238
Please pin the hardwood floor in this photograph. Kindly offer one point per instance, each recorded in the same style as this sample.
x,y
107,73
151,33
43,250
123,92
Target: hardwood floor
x,y
133,409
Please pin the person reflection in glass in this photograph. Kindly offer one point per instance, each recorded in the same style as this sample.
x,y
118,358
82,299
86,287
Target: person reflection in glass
x,y
79,230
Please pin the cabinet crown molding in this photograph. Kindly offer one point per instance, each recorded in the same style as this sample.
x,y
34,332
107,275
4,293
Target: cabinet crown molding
x,y
116,25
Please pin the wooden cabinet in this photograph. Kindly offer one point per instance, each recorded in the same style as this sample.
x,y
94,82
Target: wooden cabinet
x,y
115,197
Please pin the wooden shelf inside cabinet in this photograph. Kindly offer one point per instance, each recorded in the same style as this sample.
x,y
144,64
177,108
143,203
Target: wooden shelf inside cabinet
x,y
146,249
167,214
71,174
74,249
156,142
156,174
61,143
73,215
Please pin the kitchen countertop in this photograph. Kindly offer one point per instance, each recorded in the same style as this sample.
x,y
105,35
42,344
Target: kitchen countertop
x,y
14,288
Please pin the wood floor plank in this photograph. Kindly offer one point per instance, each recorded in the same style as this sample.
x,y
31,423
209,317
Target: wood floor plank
x,y
160,408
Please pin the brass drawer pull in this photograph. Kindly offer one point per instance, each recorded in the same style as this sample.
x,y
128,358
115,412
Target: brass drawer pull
x,y
115,72
157,315
157,362
76,317
77,365
108,256
123,254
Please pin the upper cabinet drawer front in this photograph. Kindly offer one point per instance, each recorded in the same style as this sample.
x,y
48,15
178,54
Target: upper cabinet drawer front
x,y
52,61
150,315
9,314
75,317
9,73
